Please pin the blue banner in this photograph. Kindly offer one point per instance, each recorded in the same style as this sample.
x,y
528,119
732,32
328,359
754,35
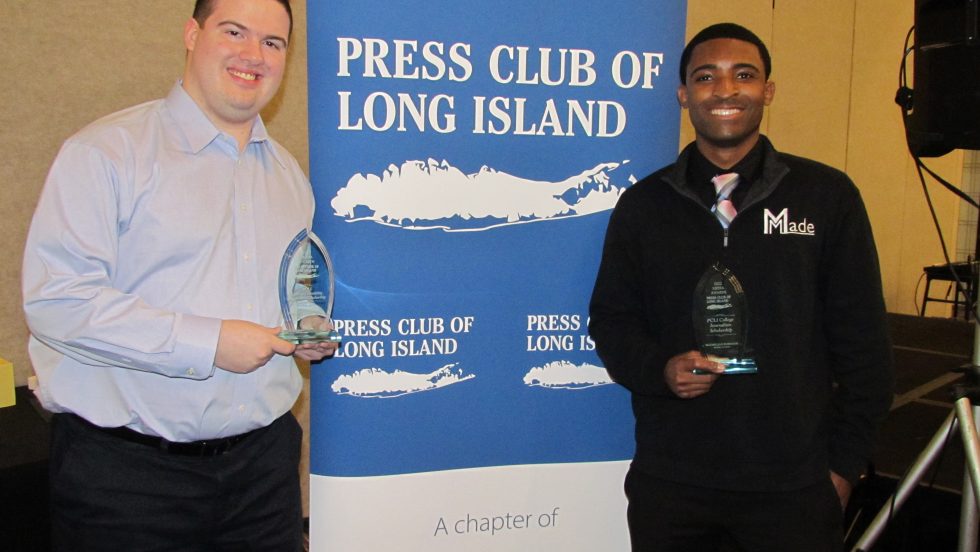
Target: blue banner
x,y
465,159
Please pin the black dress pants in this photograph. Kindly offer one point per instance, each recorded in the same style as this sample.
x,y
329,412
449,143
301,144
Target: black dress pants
x,y
111,494
665,516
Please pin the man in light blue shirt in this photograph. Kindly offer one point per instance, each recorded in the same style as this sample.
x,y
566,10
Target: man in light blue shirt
x,y
150,288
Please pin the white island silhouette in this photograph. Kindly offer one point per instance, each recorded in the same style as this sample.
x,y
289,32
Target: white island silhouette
x,y
375,383
563,374
422,195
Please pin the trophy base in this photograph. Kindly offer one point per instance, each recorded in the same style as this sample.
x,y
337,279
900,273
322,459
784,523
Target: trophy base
x,y
300,337
740,366
733,366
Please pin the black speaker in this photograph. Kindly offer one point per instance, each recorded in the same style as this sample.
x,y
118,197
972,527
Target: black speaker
x,y
946,98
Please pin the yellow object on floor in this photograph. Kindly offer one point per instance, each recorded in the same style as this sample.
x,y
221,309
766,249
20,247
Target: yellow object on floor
x,y
7,397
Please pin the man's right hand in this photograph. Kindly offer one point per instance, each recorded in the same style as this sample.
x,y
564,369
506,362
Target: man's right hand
x,y
681,379
244,347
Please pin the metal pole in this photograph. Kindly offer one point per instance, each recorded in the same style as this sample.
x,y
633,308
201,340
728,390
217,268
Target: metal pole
x,y
967,414
907,484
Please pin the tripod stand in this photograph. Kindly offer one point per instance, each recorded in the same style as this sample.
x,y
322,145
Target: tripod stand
x,y
963,417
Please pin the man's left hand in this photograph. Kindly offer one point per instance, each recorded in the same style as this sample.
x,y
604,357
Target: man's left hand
x,y
312,352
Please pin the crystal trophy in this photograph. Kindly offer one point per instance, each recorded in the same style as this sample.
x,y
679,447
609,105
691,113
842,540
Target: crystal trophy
x,y
306,289
721,321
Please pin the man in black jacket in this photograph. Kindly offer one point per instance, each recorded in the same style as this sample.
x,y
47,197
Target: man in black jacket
x,y
765,460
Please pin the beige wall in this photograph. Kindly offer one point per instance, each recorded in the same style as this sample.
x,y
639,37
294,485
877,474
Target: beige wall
x,y
835,70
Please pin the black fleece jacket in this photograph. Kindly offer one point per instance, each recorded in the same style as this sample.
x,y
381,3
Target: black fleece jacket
x,y
803,250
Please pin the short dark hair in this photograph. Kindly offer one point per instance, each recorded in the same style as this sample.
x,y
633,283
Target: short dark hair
x,y
204,8
724,30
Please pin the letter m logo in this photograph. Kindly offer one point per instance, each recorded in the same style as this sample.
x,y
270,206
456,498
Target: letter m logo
x,y
772,222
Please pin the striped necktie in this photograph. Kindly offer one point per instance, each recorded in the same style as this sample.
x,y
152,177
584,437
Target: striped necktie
x,y
723,207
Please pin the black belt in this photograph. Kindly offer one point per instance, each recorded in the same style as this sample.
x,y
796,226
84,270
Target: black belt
x,y
209,447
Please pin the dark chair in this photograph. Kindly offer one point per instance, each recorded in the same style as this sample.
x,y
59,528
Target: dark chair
x,y
964,297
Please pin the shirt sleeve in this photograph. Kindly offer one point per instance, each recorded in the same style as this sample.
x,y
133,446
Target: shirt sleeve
x,y
70,302
618,322
858,342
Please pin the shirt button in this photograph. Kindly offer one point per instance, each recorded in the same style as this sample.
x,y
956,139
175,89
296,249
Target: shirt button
x,y
241,408
190,371
246,256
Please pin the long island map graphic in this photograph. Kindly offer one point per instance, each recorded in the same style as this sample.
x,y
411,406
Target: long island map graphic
x,y
376,383
402,196
563,374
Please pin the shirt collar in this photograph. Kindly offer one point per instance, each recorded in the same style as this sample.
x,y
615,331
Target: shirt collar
x,y
199,131
700,171
748,168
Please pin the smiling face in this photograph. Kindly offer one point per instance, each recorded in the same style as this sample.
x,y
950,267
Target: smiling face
x,y
235,61
726,94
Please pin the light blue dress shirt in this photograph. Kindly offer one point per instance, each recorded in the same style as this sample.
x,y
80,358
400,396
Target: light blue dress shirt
x,y
150,230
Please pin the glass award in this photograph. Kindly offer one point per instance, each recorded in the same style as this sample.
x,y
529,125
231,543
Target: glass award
x,y
306,289
721,321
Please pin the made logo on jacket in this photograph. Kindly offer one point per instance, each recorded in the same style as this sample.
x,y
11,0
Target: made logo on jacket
x,y
781,224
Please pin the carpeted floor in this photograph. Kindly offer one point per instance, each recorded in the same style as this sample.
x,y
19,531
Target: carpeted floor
x,y
931,355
